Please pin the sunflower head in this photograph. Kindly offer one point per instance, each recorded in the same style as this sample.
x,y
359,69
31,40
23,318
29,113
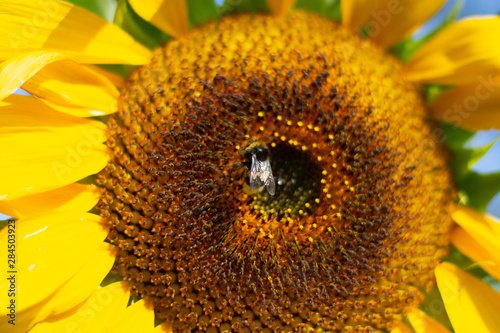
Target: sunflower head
x,y
269,170
349,238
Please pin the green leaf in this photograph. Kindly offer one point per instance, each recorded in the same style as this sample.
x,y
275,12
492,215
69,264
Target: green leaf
x,y
475,189
466,158
328,9
202,11
142,31
3,223
455,137
239,6
463,158
492,282
103,8
478,189
405,49
434,307
122,70
432,91
112,277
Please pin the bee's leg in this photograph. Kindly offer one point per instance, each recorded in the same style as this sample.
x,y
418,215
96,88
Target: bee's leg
x,y
217,171
243,173
237,166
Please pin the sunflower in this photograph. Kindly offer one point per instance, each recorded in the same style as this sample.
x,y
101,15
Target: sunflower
x,y
136,171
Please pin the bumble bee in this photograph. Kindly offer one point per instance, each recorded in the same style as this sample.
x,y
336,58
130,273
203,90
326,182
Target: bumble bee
x,y
258,165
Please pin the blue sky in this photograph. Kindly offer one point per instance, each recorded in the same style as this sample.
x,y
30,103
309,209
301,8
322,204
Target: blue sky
x,y
491,161
469,8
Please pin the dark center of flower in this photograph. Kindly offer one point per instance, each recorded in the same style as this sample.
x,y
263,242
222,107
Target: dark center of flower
x,y
359,218
298,183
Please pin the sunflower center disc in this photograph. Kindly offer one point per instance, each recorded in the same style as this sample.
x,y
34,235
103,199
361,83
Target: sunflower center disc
x,y
359,219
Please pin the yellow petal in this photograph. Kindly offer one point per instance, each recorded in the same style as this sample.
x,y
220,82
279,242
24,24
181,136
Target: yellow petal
x,y
72,198
72,88
117,80
83,283
61,83
393,21
422,323
471,304
19,111
479,239
460,54
59,26
15,71
483,228
50,249
94,315
136,318
171,16
474,106
26,112
356,13
37,157
401,328
475,250
280,7
78,289
166,327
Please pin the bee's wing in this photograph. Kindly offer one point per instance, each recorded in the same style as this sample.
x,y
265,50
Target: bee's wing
x,y
270,184
260,175
256,172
